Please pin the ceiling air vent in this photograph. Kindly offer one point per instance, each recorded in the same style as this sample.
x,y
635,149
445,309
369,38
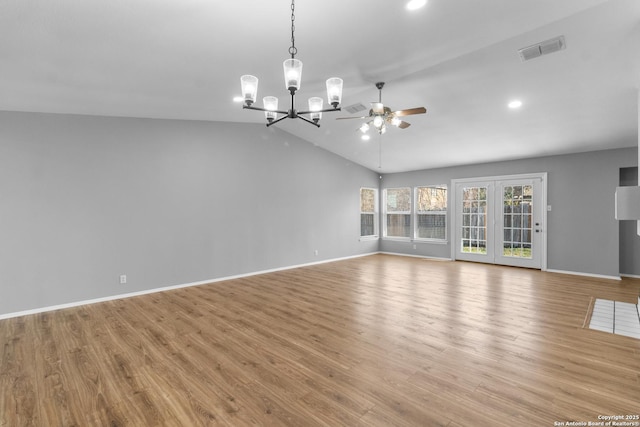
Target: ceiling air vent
x,y
543,48
355,108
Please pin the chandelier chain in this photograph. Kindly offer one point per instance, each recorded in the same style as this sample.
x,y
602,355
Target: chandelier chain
x,y
293,50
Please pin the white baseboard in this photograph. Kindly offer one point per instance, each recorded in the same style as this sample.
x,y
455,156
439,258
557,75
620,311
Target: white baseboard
x,y
579,273
168,288
573,273
630,276
255,273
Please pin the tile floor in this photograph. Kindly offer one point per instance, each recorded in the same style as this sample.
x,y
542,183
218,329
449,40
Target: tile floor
x,y
621,318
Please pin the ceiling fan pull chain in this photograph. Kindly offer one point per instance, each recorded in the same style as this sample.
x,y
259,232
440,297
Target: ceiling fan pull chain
x,y
380,152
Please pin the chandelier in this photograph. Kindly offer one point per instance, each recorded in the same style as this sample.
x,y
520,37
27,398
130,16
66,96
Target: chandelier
x,y
292,77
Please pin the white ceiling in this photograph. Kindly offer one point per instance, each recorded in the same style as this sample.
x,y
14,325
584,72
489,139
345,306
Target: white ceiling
x,y
183,59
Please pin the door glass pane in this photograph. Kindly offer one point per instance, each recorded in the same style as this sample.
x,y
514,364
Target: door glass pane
x,y
474,220
507,220
517,192
517,207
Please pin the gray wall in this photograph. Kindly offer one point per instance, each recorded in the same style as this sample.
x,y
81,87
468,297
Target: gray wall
x,y
84,199
629,239
582,234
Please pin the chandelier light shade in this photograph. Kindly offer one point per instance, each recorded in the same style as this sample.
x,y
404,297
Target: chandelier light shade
x,y
315,106
270,104
249,88
334,91
292,74
292,81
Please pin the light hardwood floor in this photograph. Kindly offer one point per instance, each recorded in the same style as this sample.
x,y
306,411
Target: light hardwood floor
x,y
374,341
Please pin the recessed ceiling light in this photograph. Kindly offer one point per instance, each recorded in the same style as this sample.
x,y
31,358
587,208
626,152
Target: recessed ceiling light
x,y
416,4
366,137
238,99
516,103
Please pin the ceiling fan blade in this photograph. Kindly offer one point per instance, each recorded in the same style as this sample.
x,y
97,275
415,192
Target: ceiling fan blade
x,y
377,107
348,118
410,111
403,125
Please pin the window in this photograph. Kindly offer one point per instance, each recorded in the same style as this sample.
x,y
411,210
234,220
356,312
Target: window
x,y
397,211
431,213
428,210
369,212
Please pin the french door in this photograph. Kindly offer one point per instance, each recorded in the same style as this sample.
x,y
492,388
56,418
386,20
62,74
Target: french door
x,y
501,220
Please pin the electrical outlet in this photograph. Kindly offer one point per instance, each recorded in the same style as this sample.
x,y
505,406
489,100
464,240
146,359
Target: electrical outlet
x,y
315,252
123,279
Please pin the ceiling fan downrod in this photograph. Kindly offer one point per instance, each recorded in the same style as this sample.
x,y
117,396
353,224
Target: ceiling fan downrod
x,y
380,85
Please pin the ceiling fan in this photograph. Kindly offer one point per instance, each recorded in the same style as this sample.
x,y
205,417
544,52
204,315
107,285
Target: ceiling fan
x,y
381,116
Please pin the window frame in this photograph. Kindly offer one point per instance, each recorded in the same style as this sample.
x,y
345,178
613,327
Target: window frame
x,y
376,216
385,213
416,212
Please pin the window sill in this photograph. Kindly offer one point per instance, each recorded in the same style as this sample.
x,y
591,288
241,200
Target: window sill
x,y
369,238
420,241
431,241
397,239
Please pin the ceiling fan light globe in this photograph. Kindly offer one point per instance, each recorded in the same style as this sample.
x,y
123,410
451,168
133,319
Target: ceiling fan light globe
x,y
364,128
378,121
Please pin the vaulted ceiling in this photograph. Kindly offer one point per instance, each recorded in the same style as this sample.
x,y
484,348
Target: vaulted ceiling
x,y
458,58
